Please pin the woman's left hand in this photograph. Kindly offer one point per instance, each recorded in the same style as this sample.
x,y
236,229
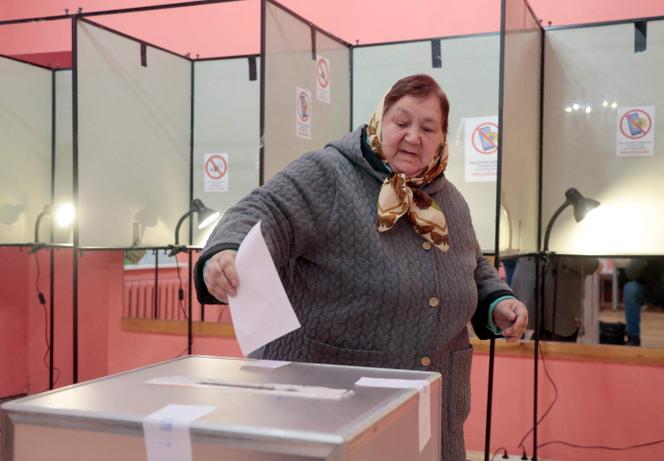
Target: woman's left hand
x,y
511,316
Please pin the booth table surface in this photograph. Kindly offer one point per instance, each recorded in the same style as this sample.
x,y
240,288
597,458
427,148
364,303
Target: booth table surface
x,y
247,423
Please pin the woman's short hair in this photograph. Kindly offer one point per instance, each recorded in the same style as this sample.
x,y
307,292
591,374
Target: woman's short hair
x,y
419,86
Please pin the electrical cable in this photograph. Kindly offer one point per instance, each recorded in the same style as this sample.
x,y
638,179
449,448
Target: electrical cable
x,y
546,372
497,451
548,410
600,447
181,300
42,301
180,289
570,444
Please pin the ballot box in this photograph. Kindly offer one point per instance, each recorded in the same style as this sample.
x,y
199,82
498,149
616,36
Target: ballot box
x,y
204,408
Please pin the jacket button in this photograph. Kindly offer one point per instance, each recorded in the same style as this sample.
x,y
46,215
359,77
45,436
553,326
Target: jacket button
x,y
425,361
434,302
426,245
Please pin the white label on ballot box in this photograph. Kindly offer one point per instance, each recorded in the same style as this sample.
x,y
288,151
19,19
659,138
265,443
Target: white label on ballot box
x,y
424,402
166,431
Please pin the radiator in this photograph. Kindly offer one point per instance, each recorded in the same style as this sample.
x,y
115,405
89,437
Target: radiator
x,y
139,300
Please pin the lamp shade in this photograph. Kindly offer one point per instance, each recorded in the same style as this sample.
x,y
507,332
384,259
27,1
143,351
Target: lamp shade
x,y
581,204
206,216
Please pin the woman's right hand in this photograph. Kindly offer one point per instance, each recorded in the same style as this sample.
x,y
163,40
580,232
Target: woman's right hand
x,y
220,275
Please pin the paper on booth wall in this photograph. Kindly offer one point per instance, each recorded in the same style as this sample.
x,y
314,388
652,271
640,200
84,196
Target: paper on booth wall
x,y
261,311
303,106
480,149
424,400
215,175
635,134
166,431
323,79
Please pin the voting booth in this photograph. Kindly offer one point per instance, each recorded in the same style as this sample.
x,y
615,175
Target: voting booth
x,y
204,408
148,120
144,120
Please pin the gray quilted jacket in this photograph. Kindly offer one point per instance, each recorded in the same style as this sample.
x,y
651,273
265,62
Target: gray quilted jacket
x,y
363,297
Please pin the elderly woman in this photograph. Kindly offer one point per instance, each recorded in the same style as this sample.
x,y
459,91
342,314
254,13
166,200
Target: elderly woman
x,y
377,253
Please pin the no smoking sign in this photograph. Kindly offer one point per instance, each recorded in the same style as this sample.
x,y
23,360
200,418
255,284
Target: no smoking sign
x,y
323,79
216,172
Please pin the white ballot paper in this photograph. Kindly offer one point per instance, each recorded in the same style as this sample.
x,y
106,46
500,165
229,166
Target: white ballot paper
x,y
166,431
261,310
424,403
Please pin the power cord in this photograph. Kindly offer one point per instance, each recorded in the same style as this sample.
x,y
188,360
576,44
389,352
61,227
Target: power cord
x,y
181,299
180,290
600,447
553,402
570,444
506,456
42,301
498,450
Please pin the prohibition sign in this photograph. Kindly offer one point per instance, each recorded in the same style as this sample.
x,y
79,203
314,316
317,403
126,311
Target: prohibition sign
x,y
303,105
216,167
323,73
630,122
478,134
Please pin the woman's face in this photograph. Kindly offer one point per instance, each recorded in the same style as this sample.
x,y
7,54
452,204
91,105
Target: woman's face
x,y
411,133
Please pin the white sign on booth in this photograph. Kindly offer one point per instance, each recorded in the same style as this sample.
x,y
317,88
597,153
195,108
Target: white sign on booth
x,y
303,108
635,133
323,78
216,172
481,148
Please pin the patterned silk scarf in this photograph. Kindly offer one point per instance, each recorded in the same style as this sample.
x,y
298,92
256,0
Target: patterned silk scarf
x,y
400,195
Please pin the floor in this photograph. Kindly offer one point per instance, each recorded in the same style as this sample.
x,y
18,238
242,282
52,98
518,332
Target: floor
x,y
652,324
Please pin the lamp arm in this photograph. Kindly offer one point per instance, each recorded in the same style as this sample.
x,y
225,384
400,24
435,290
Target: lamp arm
x,y
180,221
547,234
37,224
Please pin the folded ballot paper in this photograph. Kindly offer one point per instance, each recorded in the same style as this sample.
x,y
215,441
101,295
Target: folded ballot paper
x,y
261,310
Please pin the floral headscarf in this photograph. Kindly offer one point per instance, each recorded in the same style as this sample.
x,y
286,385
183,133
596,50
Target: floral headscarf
x,y
400,195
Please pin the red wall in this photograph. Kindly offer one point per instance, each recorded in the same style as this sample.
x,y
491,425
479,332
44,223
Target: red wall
x,y
37,324
127,350
103,348
598,403
13,321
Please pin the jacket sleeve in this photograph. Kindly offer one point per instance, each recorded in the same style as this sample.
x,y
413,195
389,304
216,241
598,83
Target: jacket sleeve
x,y
294,208
489,288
